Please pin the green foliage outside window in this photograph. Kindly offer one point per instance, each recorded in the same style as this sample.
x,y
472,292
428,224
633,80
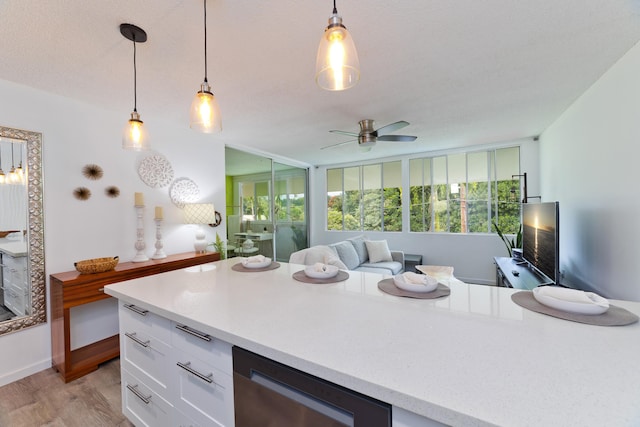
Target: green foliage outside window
x,y
371,207
461,193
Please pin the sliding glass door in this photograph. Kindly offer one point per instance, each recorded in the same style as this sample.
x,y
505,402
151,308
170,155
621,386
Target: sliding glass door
x,y
266,206
290,209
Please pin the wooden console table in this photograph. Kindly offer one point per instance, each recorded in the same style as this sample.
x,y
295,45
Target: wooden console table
x,y
71,289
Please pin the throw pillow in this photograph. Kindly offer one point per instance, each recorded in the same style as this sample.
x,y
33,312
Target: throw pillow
x,y
334,260
347,254
378,251
360,247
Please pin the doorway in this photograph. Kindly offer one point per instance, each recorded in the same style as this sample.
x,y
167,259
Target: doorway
x,y
267,206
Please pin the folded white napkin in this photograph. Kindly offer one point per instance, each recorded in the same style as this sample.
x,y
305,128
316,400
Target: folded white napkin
x,y
415,278
572,295
319,267
256,259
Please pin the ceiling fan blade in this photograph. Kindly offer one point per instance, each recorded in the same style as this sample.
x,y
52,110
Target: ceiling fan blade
x,y
338,144
341,132
391,127
398,138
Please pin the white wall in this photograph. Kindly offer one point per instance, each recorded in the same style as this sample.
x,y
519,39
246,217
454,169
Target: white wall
x,y
76,134
471,255
589,163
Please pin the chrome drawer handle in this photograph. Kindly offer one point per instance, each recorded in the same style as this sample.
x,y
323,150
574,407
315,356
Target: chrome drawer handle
x,y
195,333
139,395
132,335
187,367
137,310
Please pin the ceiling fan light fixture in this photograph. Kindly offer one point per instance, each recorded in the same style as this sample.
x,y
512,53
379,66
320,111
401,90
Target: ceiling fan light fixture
x,y
134,135
337,64
204,115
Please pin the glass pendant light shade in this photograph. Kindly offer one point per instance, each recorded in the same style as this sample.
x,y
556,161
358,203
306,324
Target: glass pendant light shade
x,y
204,115
134,136
337,65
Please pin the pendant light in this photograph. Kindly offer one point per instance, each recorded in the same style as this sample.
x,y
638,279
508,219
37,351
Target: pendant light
x,y
3,177
134,136
204,115
19,170
337,65
13,176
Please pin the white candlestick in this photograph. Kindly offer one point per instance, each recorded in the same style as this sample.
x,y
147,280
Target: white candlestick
x,y
159,251
140,245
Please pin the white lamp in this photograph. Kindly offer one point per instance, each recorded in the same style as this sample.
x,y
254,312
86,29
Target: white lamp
x,y
199,213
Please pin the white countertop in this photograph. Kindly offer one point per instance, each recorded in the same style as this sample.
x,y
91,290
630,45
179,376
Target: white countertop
x,y
13,248
474,358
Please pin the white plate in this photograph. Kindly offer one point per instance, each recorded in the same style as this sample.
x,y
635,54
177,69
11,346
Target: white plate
x,y
330,271
430,284
263,264
571,300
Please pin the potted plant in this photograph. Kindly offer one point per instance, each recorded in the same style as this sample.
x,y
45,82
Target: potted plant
x,y
220,246
514,243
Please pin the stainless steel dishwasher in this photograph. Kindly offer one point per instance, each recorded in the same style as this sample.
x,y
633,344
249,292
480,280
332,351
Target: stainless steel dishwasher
x,y
270,394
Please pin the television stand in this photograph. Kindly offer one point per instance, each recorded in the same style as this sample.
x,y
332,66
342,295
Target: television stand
x,y
517,274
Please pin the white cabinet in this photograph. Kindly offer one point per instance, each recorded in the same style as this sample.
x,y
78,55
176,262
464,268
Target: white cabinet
x,y
172,373
205,376
14,283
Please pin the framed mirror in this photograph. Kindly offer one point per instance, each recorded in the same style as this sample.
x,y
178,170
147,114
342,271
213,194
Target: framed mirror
x,y
29,145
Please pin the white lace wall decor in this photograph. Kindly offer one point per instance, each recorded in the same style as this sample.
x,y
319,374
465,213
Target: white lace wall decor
x,y
155,171
182,191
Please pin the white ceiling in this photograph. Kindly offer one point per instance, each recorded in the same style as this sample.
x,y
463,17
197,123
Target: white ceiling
x,y
461,72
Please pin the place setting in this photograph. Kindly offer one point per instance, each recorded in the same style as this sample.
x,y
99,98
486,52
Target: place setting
x,y
414,285
320,273
255,264
574,305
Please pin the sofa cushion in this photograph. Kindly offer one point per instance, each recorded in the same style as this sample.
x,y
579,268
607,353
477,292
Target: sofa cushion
x,y
378,251
360,247
386,267
347,254
319,253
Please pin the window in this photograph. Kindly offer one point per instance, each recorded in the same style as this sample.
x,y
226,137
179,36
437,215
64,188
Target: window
x,y
465,192
255,200
365,197
290,196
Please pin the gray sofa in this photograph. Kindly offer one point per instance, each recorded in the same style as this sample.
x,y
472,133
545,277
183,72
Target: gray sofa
x,y
354,254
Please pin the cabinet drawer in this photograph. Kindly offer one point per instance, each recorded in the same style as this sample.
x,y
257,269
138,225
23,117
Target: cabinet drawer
x,y
15,299
142,405
203,346
136,318
148,357
81,294
204,392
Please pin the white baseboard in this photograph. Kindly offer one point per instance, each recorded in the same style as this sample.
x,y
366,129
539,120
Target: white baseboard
x,y
25,372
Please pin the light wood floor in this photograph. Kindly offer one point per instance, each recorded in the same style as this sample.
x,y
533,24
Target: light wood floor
x,y
43,399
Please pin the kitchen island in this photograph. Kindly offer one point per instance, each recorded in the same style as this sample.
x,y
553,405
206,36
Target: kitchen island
x,y
473,358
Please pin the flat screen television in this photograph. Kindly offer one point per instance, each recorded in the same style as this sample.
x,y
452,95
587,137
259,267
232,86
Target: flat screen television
x,y
541,238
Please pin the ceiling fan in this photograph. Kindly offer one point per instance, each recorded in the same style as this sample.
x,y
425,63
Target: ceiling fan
x,y
368,136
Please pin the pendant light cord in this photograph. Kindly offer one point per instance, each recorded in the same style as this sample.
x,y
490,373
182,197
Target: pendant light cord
x,y
135,78
205,41
335,10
